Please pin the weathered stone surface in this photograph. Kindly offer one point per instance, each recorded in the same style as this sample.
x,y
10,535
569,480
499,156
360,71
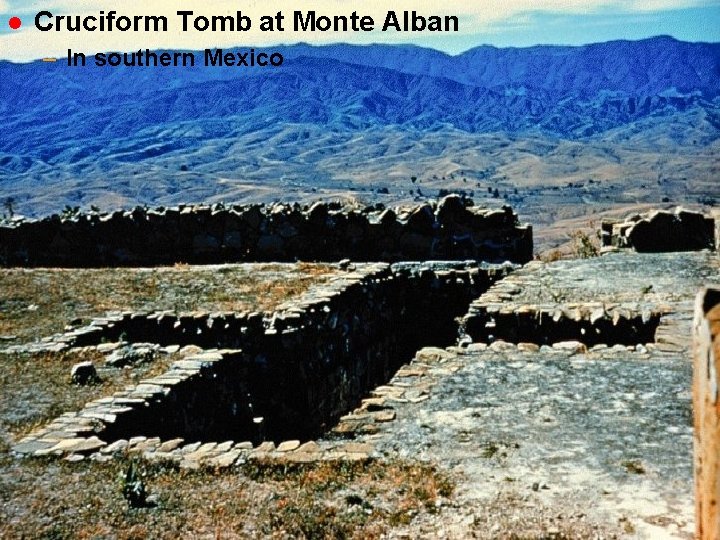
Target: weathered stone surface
x,y
615,299
387,415
32,446
115,447
574,347
357,448
288,446
226,459
432,354
131,354
267,446
79,445
169,446
309,447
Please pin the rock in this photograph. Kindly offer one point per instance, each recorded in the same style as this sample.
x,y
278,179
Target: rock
x,y
357,448
116,447
225,459
574,347
84,373
658,231
267,446
326,231
310,447
233,240
288,446
387,415
132,354
433,354
169,446
108,347
32,446
79,445
190,349
421,220
270,245
451,209
387,217
318,213
502,346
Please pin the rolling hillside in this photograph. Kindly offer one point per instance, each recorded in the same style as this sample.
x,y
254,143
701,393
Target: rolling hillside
x,y
632,122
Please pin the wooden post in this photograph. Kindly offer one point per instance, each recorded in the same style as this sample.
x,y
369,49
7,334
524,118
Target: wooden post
x,y
706,412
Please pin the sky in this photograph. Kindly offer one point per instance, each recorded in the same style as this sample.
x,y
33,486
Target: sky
x,y
502,23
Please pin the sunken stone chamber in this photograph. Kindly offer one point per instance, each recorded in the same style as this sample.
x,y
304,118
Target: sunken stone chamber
x,y
546,325
289,375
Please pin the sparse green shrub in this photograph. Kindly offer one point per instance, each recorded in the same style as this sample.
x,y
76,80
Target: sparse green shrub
x,y
8,205
70,211
133,488
633,466
585,246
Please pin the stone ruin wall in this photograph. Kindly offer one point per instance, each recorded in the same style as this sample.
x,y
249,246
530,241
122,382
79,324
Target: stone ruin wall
x,y
662,230
451,229
320,373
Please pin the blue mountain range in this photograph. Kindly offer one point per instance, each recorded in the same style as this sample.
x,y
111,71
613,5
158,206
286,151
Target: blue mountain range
x,y
95,119
569,91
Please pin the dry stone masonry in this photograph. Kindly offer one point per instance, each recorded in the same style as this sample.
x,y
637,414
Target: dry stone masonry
x,y
563,381
604,427
286,375
660,231
451,229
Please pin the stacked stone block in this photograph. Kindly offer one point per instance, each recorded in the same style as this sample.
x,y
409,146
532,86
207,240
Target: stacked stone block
x,y
452,229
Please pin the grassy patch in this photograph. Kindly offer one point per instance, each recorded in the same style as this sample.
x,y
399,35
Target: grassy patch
x,y
34,388
54,499
37,302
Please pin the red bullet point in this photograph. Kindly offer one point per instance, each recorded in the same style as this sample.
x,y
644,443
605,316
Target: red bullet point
x,y
15,23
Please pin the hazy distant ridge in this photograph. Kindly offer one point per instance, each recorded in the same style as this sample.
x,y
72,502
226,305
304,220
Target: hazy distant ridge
x,y
342,116
647,66
569,91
